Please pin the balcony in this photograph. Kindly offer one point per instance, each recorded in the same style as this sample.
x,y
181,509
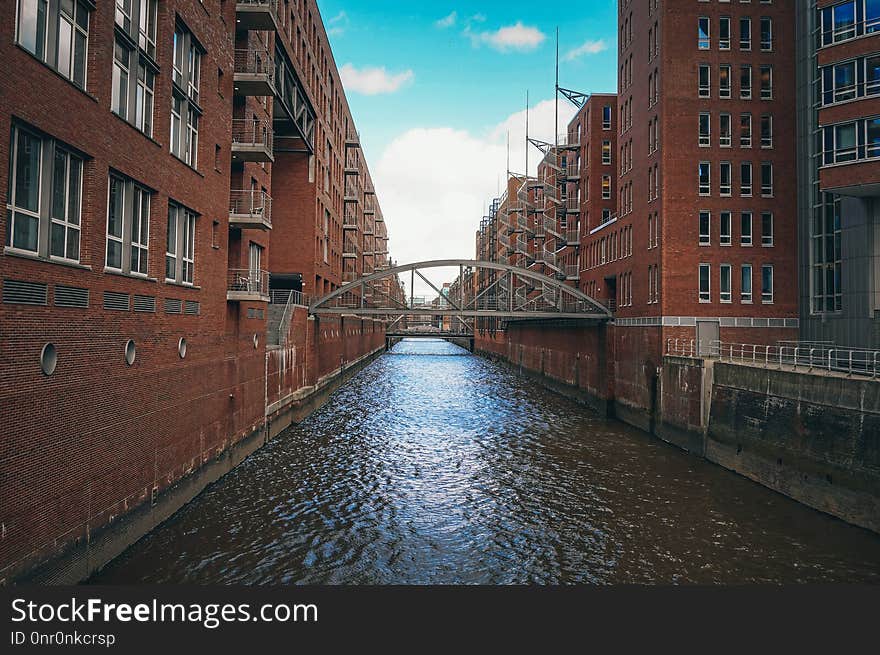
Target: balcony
x,y
250,285
351,190
572,205
254,73
352,139
250,210
572,272
551,227
259,15
572,237
551,259
349,276
252,140
350,222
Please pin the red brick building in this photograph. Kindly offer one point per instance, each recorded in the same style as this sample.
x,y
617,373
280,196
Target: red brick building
x,y
161,159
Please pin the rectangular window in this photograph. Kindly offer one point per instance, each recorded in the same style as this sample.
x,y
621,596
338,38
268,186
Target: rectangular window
x,y
725,237
606,117
57,33
724,284
185,110
705,136
745,222
704,89
705,228
725,135
745,131
745,179
826,257
128,226
766,82
766,131
606,152
767,180
705,178
767,229
703,34
705,283
767,283
745,82
724,81
44,196
725,184
606,187
724,33
180,245
766,33
746,283
134,66
745,33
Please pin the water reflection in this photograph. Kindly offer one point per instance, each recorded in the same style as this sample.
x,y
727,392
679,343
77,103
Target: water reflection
x,y
431,468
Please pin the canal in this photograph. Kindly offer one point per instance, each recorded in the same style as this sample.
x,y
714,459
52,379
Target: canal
x,y
433,466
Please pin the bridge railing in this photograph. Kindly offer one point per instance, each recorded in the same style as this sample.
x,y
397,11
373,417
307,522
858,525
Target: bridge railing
x,y
810,357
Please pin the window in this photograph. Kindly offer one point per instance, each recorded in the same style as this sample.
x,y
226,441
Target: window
x,y
745,33
766,131
606,117
725,135
766,33
724,284
767,180
128,226
826,258
724,81
180,245
767,284
703,39
745,179
724,33
851,141
705,228
766,82
746,283
43,197
745,222
705,178
745,131
844,20
705,136
134,66
767,229
745,82
705,81
725,231
255,267
606,152
606,187
185,110
705,283
57,33
725,183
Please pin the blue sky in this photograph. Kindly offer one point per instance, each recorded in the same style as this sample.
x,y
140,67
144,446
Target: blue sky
x,y
435,87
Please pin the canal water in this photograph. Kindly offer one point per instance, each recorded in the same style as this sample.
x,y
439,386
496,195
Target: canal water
x,y
433,466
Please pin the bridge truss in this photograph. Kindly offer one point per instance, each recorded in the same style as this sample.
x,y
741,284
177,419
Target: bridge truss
x,y
515,294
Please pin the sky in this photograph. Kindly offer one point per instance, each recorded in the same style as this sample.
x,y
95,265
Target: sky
x,y
437,88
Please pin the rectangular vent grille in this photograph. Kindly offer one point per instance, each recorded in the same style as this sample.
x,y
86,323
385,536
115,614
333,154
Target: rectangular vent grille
x,y
118,302
173,306
25,293
144,304
71,297
192,307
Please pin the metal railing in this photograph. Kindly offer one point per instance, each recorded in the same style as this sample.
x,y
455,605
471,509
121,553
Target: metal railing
x,y
248,281
250,132
572,271
254,61
572,237
270,4
288,296
243,202
550,258
811,357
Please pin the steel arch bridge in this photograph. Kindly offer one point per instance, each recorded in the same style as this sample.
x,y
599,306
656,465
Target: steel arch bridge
x,y
482,290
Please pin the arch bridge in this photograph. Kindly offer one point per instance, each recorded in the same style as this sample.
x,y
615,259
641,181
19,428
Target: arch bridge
x,y
484,296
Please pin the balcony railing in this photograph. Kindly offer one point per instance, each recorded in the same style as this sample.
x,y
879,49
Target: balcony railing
x,y
256,14
572,272
550,259
352,138
254,72
350,221
250,210
572,237
252,140
572,205
247,284
551,226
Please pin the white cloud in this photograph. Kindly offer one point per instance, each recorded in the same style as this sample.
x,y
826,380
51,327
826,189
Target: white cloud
x,y
434,184
373,81
448,21
586,48
337,25
518,37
